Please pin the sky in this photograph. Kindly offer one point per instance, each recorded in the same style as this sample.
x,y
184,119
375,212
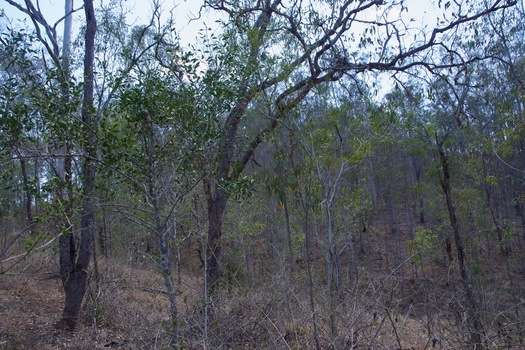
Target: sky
x,y
184,11
140,10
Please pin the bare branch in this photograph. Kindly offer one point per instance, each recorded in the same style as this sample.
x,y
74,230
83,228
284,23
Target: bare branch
x,y
65,15
38,20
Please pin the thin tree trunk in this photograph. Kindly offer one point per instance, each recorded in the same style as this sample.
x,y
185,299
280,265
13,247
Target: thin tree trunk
x,y
177,248
67,246
63,167
27,191
164,257
476,331
68,25
494,212
76,279
332,280
309,268
37,186
288,230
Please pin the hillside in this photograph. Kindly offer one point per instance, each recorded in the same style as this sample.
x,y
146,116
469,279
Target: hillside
x,y
127,307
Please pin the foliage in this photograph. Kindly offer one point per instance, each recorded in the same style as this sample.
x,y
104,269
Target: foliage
x,y
423,246
305,165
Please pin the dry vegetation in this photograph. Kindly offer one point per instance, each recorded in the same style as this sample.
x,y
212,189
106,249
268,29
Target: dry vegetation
x,y
126,308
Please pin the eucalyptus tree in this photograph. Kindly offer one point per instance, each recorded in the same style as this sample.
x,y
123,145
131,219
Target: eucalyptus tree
x,y
443,128
17,118
278,51
75,281
330,132
62,100
461,127
143,40
493,114
502,87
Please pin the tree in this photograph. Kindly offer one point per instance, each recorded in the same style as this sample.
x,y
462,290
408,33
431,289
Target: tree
x,y
60,73
316,47
146,121
75,254
76,280
17,116
162,161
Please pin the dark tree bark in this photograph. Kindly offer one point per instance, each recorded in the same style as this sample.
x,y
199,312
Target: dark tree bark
x,y
216,200
476,331
75,280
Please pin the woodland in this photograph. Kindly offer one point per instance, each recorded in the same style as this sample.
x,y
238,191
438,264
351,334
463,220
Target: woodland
x,y
305,174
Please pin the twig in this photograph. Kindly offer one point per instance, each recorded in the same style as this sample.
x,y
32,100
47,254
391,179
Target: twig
x,y
23,255
377,333
398,340
278,332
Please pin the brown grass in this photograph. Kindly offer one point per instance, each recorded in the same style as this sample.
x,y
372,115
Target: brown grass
x,y
126,308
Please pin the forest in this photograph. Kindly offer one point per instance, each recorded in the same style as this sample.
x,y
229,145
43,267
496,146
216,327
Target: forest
x,y
302,174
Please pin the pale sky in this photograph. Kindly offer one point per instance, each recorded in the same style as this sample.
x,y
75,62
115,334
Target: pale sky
x,y
422,11
184,10
140,10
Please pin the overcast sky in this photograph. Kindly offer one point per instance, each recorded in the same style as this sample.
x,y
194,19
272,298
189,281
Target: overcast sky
x,y
423,11
184,11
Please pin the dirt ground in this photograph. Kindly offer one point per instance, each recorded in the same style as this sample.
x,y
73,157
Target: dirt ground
x,y
31,302
128,309
30,306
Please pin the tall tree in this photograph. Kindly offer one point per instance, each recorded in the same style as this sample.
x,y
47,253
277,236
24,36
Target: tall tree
x,y
61,122
76,281
63,165
75,252
315,47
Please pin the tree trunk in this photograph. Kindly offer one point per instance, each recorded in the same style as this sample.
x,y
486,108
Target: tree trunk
x,y
164,257
288,231
307,243
68,25
216,200
76,278
476,331
493,203
67,246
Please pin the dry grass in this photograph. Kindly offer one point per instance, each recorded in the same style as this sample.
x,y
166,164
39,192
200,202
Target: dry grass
x,y
126,308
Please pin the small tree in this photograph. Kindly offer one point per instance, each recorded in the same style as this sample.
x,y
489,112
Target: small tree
x,y
157,148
